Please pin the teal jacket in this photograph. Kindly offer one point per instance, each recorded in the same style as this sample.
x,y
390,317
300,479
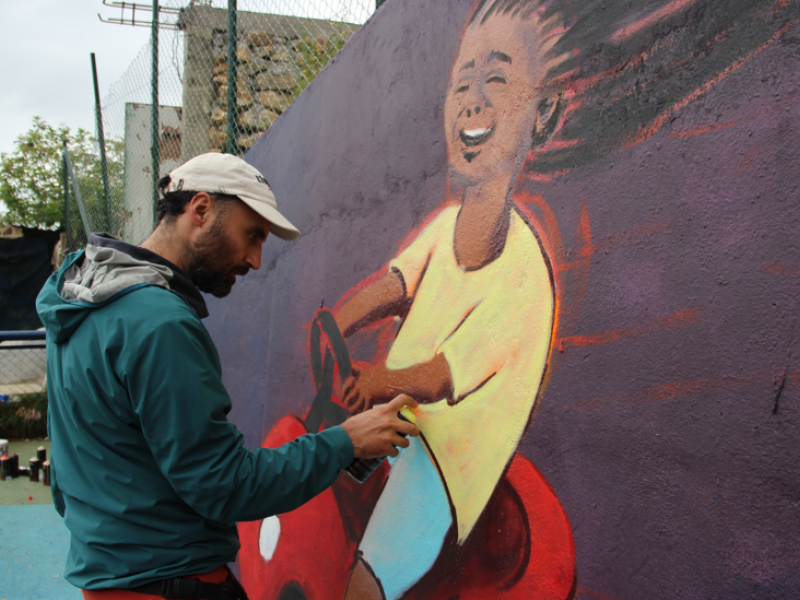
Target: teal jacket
x,y
147,472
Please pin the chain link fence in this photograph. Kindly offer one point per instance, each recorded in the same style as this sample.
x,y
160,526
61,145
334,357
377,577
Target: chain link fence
x,y
23,364
216,92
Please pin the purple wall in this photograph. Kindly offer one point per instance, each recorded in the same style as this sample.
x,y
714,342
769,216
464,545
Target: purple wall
x,y
669,423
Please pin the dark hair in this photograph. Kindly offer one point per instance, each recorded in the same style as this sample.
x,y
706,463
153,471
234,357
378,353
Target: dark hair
x,y
172,204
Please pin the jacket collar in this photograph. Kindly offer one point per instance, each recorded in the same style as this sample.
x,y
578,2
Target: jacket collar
x,y
180,283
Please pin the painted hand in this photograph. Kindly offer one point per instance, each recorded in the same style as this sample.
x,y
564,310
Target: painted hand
x,y
368,386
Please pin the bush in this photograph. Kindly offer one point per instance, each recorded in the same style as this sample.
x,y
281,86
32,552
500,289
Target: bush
x,y
24,418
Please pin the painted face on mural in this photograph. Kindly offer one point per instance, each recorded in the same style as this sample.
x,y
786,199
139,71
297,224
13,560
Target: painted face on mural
x,y
492,98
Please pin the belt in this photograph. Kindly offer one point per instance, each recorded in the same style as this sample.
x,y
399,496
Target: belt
x,y
185,588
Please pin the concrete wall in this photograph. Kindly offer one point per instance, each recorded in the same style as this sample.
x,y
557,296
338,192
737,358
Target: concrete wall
x,y
666,204
139,163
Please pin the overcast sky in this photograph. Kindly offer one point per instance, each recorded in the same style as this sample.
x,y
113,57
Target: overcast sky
x,y
46,68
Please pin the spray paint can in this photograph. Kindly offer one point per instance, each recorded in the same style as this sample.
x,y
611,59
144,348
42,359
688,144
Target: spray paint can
x,y
46,469
361,468
5,467
41,454
14,464
34,464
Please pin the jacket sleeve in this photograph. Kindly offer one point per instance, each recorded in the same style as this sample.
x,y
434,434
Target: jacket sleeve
x,y
173,377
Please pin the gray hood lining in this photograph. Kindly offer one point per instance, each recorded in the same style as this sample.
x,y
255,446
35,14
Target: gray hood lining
x,y
105,272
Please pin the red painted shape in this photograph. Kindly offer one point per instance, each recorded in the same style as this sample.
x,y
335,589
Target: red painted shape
x,y
790,270
748,159
670,9
677,389
701,129
646,132
587,592
620,239
521,547
313,552
681,318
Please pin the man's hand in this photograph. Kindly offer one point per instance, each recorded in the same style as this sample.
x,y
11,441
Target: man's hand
x,y
376,432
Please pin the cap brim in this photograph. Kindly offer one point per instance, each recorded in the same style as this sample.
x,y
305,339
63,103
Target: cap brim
x,y
279,225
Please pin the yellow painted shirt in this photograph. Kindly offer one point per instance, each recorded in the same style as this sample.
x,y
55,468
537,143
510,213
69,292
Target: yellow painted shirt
x,y
493,326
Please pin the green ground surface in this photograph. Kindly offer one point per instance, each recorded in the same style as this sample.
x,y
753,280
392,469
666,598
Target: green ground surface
x,y
21,490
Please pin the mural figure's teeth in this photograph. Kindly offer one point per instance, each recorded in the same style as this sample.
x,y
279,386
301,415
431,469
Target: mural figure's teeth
x,y
473,137
473,133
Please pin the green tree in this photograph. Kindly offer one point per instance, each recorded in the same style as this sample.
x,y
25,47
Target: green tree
x,y
31,184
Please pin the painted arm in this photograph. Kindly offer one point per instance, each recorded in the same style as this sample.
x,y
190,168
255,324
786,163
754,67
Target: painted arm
x,y
426,382
383,298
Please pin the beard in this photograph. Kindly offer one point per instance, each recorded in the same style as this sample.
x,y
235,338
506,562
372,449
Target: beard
x,y
209,265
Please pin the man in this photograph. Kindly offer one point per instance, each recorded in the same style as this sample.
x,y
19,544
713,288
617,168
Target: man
x,y
146,470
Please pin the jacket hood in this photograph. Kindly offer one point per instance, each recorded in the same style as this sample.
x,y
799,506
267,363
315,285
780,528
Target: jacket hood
x,y
102,273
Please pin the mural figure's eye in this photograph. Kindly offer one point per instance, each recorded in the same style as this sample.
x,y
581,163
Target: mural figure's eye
x,y
496,79
462,88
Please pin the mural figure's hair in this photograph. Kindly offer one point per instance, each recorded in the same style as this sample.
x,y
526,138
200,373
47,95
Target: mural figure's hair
x,y
627,66
547,23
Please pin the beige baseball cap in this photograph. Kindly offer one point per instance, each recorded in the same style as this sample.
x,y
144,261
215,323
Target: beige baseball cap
x,y
217,173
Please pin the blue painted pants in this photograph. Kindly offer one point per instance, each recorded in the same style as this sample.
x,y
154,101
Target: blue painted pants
x,y
405,533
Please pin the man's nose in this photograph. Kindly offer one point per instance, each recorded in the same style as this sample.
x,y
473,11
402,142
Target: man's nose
x,y
253,258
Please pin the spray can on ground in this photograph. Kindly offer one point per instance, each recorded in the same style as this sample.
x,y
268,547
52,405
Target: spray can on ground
x,y
34,463
14,465
5,467
46,468
41,453
361,468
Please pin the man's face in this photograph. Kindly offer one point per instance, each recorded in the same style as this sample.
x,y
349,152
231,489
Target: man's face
x,y
492,98
230,247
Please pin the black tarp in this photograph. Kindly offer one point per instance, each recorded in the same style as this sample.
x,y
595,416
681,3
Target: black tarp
x,y
24,267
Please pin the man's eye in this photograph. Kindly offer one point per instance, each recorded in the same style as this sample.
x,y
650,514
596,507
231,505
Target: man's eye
x,y
496,79
462,88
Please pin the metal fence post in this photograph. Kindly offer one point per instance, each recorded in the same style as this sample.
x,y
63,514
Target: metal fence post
x,y
154,118
65,181
76,192
231,145
98,115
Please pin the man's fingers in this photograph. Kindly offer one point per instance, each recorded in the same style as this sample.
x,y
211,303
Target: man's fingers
x,y
401,442
406,428
400,401
393,452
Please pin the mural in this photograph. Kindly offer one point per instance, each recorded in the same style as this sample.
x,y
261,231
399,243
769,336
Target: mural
x,y
525,214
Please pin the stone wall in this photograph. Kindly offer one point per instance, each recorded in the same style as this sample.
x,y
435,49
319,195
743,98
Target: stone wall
x,y
276,58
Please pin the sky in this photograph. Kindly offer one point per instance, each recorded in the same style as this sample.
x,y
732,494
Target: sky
x,y
47,69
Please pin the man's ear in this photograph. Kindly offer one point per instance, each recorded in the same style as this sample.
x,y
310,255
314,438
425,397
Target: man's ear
x,y
199,209
548,117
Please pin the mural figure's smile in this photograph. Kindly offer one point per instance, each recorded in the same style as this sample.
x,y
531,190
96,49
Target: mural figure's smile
x,y
474,137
